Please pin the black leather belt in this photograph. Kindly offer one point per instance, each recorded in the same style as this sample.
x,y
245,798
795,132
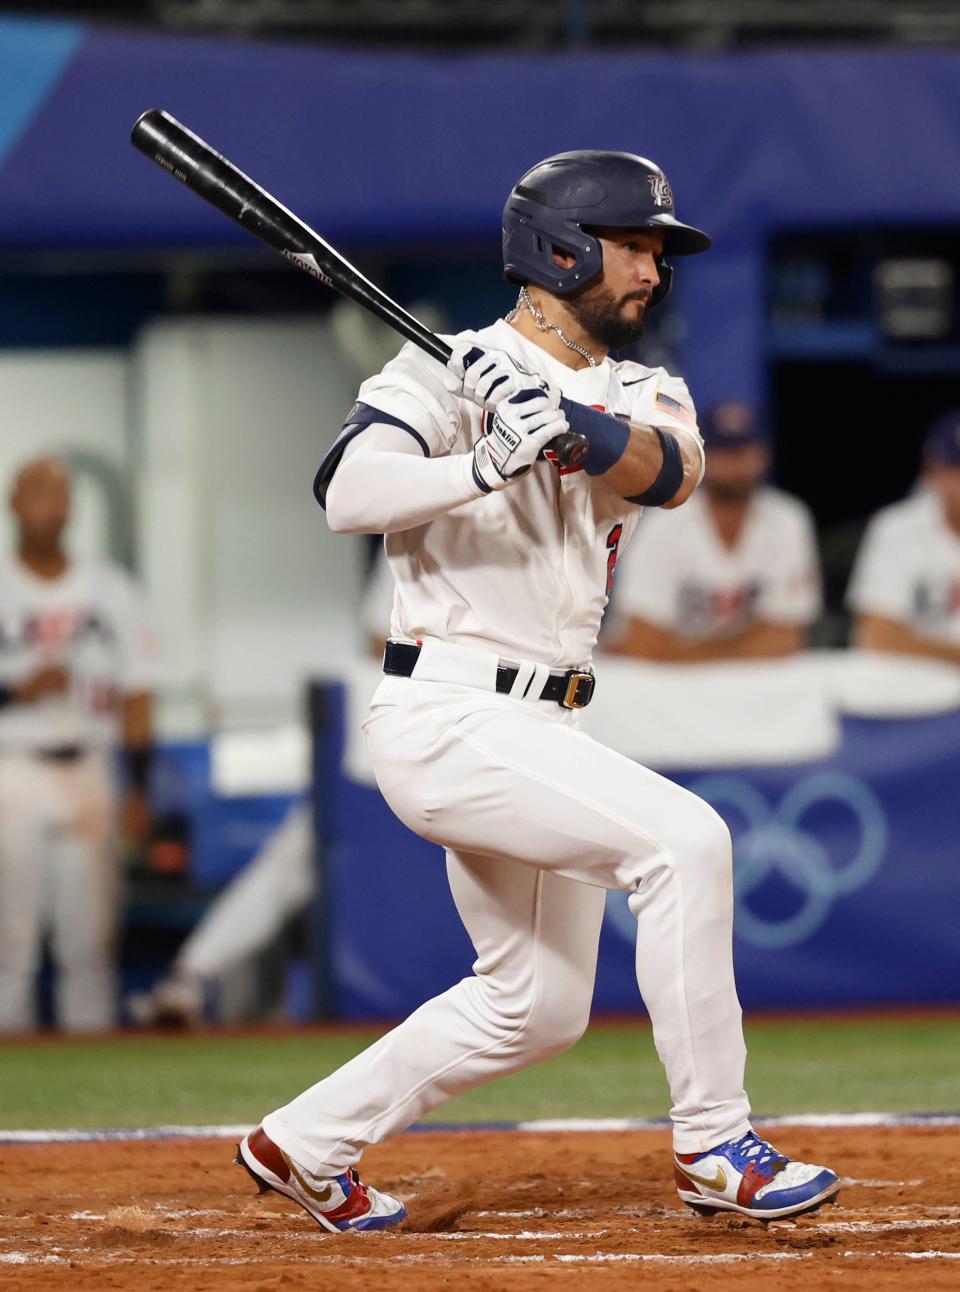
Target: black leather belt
x,y
60,753
571,690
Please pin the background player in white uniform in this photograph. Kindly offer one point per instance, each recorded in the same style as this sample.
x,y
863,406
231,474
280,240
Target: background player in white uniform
x,y
733,574
503,561
905,588
75,672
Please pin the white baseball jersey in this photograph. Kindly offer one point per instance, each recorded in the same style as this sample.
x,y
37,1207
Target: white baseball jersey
x,y
524,572
680,576
908,569
89,621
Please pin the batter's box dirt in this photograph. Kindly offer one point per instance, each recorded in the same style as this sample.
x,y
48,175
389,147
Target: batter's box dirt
x,y
509,1211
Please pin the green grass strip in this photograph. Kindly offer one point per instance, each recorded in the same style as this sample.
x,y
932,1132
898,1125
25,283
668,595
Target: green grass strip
x,y
795,1066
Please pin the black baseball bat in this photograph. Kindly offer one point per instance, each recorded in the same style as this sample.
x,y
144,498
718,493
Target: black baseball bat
x,y
192,161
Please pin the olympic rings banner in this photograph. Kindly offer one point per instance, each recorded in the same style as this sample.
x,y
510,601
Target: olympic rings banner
x,y
847,879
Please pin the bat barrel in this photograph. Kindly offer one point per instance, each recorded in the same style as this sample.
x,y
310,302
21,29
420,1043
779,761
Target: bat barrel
x,y
192,161
201,168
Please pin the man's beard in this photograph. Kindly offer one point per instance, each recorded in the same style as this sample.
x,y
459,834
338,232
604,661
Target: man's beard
x,y
601,316
730,490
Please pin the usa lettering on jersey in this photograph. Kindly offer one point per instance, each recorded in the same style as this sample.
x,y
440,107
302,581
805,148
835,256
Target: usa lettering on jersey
x,y
55,630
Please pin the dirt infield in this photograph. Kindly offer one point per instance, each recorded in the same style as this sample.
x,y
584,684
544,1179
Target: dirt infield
x,y
488,1211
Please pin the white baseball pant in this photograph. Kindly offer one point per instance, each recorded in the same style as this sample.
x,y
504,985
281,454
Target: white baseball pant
x,y
538,819
58,873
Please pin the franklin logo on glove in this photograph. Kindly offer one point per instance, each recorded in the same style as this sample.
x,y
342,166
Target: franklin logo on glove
x,y
503,433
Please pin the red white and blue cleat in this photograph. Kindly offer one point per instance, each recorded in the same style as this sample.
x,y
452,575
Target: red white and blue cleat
x,y
749,1176
337,1202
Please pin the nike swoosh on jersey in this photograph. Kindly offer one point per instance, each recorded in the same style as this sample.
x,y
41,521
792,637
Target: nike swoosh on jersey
x,y
637,380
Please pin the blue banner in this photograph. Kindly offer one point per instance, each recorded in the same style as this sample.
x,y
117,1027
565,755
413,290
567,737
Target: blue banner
x,y
363,146
846,881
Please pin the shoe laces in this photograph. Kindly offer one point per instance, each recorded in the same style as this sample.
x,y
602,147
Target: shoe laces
x,y
759,1153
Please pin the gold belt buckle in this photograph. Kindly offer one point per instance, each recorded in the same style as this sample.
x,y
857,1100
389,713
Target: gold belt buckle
x,y
571,698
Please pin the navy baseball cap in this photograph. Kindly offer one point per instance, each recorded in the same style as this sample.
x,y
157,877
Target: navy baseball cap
x,y
730,426
943,440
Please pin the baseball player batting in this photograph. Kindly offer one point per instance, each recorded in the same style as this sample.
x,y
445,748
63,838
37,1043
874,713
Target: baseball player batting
x,y
503,561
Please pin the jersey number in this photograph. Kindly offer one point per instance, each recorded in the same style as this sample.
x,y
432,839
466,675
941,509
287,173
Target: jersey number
x,y
613,546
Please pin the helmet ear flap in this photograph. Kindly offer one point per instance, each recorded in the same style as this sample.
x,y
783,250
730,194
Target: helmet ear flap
x,y
662,288
531,233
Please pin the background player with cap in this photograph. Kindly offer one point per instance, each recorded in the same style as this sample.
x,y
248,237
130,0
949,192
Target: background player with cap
x,y
76,664
734,573
503,560
905,587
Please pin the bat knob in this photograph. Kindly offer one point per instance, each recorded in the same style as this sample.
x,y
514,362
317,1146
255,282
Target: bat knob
x,y
570,448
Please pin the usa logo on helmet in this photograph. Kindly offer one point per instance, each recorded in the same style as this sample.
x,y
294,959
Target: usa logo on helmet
x,y
660,190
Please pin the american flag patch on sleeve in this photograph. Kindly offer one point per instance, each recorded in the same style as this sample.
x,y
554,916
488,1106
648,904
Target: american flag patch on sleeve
x,y
676,409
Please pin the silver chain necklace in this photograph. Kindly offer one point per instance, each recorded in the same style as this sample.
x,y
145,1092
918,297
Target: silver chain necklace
x,y
541,324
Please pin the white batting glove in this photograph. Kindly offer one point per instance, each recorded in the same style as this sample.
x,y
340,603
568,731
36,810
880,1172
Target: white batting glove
x,y
520,428
488,377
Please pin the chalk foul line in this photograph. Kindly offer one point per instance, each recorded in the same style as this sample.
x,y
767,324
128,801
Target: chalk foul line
x,y
601,1125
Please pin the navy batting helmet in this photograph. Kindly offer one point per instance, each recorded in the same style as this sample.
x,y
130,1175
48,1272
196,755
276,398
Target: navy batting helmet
x,y
558,201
